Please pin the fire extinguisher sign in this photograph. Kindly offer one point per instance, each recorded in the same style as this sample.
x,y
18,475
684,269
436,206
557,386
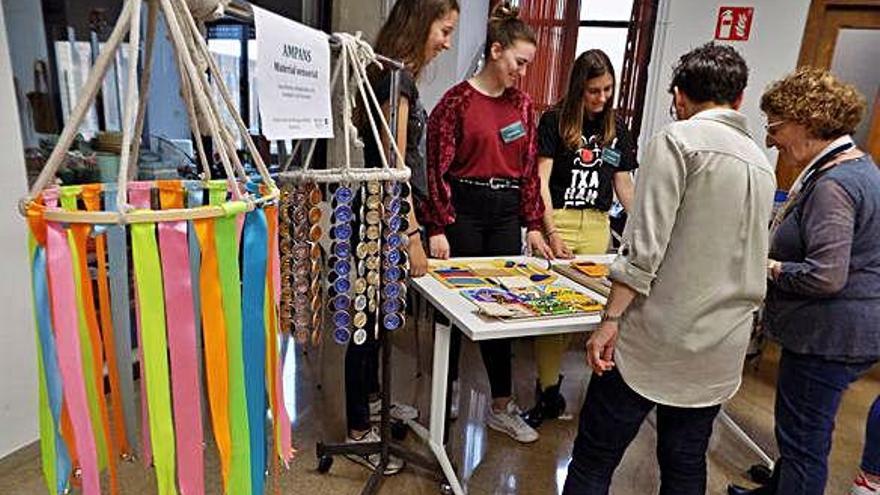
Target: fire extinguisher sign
x,y
734,23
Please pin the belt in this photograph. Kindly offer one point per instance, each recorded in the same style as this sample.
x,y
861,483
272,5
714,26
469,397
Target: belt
x,y
492,182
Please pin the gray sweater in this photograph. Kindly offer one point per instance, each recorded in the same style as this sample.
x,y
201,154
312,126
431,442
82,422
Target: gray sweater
x,y
826,301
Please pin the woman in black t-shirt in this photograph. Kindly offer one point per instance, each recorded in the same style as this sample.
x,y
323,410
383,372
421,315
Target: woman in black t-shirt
x,y
585,157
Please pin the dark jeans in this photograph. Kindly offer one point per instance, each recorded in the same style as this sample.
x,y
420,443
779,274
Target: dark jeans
x,y
871,455
610,418
808,393
487,223
361,378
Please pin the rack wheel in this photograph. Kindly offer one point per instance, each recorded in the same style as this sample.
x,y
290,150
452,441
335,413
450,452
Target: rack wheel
x,y
445,488
760,474
399,430
325,462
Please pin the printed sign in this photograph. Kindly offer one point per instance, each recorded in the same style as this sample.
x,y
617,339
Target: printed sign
x,y
734,23
293,78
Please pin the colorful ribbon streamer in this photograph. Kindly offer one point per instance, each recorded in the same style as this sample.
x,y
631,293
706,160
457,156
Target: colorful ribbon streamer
x,y
215,337
120,309
56,461
254,263
182,343
148,273
230,288
65,321
92,198
90,338
139,197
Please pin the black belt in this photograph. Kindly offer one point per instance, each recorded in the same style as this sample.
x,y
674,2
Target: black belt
x,y
491,183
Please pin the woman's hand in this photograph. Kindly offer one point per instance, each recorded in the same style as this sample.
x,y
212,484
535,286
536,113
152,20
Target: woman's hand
x,y
438,246
559,247
536,245
418,260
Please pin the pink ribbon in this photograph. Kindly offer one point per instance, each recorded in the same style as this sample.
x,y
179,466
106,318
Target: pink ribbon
x,y
65,319
180,320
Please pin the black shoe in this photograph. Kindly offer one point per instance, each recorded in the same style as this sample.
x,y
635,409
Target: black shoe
x,y
739,490
550,405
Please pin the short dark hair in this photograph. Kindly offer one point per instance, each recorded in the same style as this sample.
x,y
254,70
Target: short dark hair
x,y
711,72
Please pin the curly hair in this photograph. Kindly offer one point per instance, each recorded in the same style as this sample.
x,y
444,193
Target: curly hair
x,y
815,98
711,72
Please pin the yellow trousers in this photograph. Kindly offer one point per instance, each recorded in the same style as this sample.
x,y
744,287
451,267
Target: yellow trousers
x,y
585,232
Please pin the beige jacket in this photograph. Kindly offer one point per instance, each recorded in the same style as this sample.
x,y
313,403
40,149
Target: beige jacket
x,y
695,249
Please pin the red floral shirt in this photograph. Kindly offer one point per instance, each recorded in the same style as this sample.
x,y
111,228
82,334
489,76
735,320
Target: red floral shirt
x,y
451,152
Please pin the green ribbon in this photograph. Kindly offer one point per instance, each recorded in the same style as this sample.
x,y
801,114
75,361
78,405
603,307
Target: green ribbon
x,y
148,270
225,229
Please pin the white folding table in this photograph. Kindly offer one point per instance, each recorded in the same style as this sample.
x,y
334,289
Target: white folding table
x,y
463,315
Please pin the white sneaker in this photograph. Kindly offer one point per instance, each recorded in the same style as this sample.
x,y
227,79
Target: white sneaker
x,y
455,400
371,462
862,486
510,422
400,412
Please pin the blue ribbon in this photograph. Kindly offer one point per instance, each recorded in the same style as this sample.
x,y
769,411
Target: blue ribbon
x,y
255,241
50,365
117,254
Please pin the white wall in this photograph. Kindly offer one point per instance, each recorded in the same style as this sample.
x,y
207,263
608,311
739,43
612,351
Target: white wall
x,y
18,365
452,66
26,39
771,51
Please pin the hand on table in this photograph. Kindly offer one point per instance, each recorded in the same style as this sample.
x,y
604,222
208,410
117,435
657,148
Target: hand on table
x,y
559,247
600,347
418,260
438,246
536,246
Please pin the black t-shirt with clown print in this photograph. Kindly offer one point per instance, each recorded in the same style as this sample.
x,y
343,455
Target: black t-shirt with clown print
x,y
583,178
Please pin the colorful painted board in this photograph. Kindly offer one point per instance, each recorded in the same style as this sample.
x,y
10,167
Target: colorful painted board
x,y
537,301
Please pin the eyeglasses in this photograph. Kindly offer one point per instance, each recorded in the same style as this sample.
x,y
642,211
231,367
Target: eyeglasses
x,y
770,126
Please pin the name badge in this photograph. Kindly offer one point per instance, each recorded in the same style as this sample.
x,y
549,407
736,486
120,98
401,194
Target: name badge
x,y
513,132
611,157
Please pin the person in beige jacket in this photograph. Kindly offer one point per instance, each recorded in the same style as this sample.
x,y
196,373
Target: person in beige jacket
x,y
689,276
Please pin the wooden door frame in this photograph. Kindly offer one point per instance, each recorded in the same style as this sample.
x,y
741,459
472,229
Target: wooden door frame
x,y
813,53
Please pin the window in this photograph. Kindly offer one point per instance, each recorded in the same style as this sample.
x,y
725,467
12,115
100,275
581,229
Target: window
x,y
73,62
604,24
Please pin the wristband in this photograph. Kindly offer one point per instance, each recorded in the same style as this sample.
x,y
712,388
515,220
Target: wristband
x,y
608,317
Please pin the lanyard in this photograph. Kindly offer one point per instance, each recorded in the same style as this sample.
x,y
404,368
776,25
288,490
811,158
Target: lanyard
x,y
807,179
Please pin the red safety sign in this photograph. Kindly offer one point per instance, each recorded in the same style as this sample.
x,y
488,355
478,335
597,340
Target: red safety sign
x,y
734,23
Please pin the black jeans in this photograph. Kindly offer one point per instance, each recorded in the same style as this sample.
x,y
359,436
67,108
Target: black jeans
x,y
610,418
361,377
487,223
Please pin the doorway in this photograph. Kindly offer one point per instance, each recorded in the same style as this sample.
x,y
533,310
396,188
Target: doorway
x,y
844,36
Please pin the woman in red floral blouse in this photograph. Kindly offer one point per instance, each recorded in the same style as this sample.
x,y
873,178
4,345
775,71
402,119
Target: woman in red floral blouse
x,y
483,183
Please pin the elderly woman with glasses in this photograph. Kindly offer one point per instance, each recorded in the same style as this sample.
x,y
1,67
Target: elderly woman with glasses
x,y
823,300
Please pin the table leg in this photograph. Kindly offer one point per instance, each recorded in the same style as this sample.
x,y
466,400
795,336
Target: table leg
x,y
439,379
754,447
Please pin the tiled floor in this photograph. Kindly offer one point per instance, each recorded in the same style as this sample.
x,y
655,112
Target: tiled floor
x,y
490,463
